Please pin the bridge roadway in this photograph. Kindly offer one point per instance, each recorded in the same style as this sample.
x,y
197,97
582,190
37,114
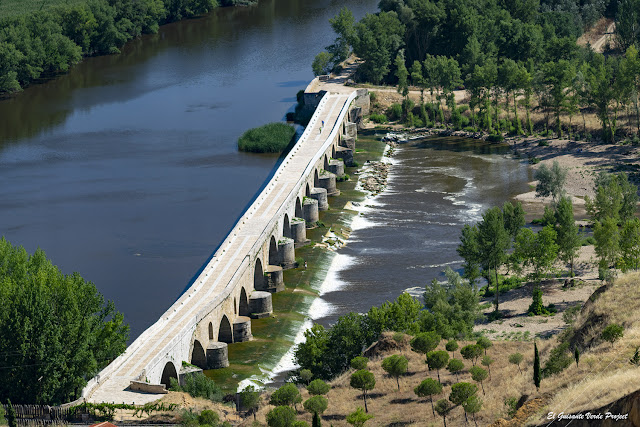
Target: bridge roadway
x,y
216,279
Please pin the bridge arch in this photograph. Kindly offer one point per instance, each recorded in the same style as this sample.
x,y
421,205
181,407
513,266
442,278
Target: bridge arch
x,y
326,162
198,356
243,309
298,208
258,276
210,331
225,334
307,190
286,226
273,251
333,151
316,181
169,372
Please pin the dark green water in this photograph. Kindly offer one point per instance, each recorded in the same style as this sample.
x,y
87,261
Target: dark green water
x,y
126,168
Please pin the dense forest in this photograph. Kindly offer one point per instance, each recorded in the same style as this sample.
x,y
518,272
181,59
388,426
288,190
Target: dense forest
x,y
506,54
41,43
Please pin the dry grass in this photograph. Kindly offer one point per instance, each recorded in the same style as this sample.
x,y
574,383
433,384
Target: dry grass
x,y
403,407
603,376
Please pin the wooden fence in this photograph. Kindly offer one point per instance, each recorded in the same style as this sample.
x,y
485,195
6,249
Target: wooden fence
x,y
41,414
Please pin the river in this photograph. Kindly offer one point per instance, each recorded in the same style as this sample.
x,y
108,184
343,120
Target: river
x,y
408,235
126,168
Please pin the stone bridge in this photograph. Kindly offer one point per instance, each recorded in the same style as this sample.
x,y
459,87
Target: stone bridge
x,y
237,282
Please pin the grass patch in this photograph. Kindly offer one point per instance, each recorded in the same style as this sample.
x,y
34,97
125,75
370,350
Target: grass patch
x,y
269,138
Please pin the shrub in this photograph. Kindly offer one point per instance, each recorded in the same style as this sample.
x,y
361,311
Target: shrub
x,y
558,361
379,118
495,138
511,404
359,363
270,138
395,112
612,333
199,385
208,417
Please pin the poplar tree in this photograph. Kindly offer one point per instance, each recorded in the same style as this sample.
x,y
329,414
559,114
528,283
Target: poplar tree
x,y
567,232
536,367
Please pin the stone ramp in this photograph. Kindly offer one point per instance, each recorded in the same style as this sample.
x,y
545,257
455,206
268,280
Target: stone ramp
x,y
178,321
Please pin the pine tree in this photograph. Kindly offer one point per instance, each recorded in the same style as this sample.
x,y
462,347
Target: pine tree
x,y
536,367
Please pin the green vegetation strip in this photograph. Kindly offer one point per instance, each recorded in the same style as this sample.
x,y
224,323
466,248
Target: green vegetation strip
x,y
269,138
273,335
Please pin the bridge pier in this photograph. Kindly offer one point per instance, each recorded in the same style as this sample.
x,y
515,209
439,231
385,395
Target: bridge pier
x,y
217,355
327,180
310,212
348,142
260,305
299,232
242,329
346,154
275,281
286,252
320,194
336,167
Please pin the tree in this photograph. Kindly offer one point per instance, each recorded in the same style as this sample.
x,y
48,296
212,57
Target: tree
x,y
395,366
428,387
343,25
479,375
537,250
318,387
306,375
402,74
568,240
516,359
437,360
551,181
630,244
470,252
628,24
615,198
452,345
55,330
443,407
316,421
513,218
2,419
461,392
316,404
425,342
612,333
607,239
473,405
537,376
250,400
11,414
454,366
493,241
485,343
487,361
321,63
358,418
471,352
281,416
576,355
363,380
286,395
359,363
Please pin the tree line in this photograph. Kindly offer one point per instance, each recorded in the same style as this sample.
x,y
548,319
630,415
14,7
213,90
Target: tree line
x,y
506,54
45,42
449,310
501,241
56,330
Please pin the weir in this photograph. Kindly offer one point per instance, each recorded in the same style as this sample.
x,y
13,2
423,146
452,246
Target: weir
x,y
237,282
